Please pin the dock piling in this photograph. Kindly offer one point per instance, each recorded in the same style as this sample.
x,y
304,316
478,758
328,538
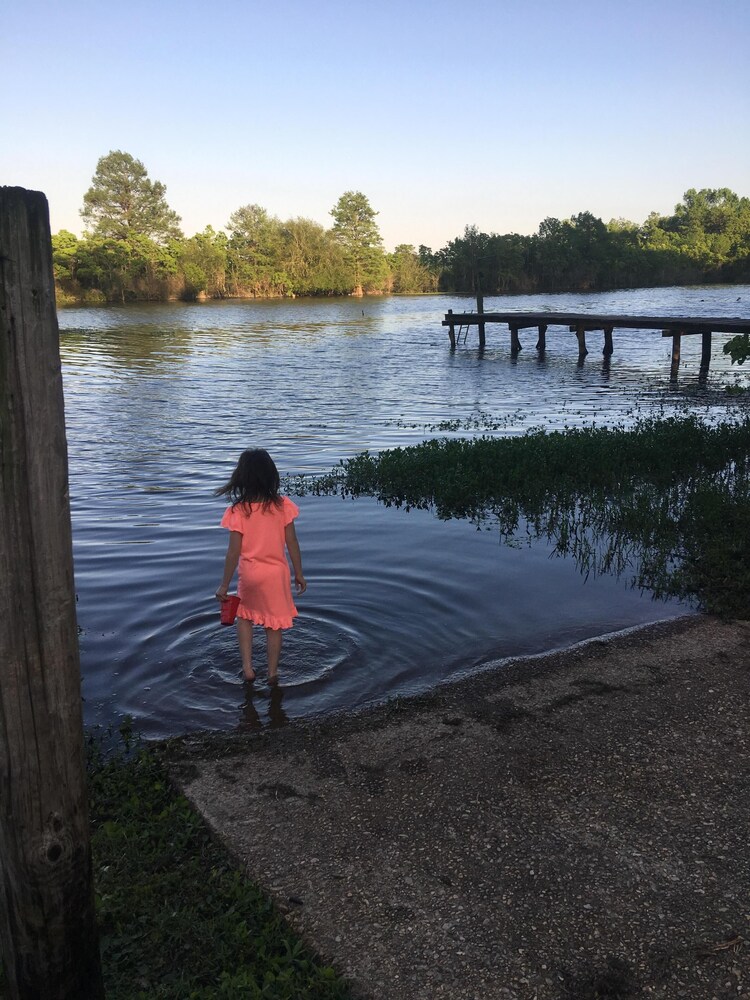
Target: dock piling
x,y
581,335
676,347
675,327
480,311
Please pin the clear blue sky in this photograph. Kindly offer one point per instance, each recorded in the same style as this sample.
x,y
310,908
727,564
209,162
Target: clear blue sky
x,y
443,113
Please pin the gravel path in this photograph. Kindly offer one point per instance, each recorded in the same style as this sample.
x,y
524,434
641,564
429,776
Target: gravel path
x,y
568,826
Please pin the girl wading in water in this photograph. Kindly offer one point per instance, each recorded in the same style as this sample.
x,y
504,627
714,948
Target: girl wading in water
x,y
260,523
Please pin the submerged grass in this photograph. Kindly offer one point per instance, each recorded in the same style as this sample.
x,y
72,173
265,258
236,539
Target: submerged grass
x,y
177,920
668,499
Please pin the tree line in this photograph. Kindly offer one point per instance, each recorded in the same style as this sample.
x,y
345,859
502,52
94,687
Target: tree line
x,y
706,239
134,249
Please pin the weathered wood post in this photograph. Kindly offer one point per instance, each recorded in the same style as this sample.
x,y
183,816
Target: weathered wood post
x,y
480,310
515,342
451,330
541,344
47,925
608,348
676,348
705,350
580,331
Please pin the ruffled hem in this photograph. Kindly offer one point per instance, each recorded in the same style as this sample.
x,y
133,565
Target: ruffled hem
x,y
267,621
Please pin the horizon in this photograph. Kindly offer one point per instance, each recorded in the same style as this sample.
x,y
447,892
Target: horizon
x,y
289,108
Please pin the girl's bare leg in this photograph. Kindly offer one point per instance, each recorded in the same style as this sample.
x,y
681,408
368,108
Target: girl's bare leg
x,y
273,638
245,639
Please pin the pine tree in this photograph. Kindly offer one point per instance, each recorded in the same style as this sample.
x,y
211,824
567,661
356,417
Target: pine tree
x,y
356,231
122,202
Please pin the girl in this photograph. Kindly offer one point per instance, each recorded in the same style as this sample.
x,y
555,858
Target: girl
x,y
260,525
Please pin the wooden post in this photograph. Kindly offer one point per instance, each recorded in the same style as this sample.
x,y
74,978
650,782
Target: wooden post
x,y
452,332
515,343
705,350
608,348
541,344
581,335
676,345
47,924
480,310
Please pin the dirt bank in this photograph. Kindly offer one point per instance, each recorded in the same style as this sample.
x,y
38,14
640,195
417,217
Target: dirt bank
x,y
568,826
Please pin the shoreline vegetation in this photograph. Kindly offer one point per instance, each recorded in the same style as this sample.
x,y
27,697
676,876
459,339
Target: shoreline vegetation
x,y
667,501
134,250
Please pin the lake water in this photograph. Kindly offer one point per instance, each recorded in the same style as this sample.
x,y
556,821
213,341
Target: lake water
x,y
161,399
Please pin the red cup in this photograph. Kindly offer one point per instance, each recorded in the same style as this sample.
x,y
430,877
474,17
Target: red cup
x,y
229,609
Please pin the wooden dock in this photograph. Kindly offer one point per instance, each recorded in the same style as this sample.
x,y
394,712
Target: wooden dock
x,y
580,324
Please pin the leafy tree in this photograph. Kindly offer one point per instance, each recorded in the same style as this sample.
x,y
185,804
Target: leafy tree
x,y
629,266
312,259
471,262
65,256
122,202
152,269
356,231
509,260
550,253
104,264
710,227
123,270
408,272
432,261
738,348
255,250
202,261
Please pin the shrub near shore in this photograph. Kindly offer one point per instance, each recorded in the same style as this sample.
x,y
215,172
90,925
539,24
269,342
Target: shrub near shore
x,y
667,501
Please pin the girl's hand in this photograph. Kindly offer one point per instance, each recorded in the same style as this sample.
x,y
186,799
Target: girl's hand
x,y
300,583
221,594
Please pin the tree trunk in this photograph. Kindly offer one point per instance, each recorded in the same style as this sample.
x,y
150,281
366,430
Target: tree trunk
x,y
47,925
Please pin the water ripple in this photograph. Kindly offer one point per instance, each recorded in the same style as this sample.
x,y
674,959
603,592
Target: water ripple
x,y
160,399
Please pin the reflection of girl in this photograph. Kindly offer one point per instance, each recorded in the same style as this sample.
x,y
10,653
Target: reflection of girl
x,y
277,717
260,525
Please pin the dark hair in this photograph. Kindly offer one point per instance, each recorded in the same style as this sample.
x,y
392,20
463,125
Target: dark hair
x,y
254,480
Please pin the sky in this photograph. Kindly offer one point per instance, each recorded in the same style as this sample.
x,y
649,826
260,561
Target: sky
x,y
444,114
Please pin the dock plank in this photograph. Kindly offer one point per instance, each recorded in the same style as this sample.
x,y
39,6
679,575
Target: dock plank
x,y
594,321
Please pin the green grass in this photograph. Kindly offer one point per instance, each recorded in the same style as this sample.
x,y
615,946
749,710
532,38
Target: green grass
x,y
666,500
176,918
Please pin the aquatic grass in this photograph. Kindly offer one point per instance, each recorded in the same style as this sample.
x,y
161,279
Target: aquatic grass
x,y
460,476
714,554
177,920
666,498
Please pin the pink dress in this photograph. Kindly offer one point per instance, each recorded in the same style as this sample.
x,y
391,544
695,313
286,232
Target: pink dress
x,y
265,588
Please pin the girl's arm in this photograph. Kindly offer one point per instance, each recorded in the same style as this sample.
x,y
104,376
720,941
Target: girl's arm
x,y
230,563
292,545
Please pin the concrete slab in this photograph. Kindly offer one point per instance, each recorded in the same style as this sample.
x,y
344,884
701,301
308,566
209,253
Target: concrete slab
x,y
567,826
